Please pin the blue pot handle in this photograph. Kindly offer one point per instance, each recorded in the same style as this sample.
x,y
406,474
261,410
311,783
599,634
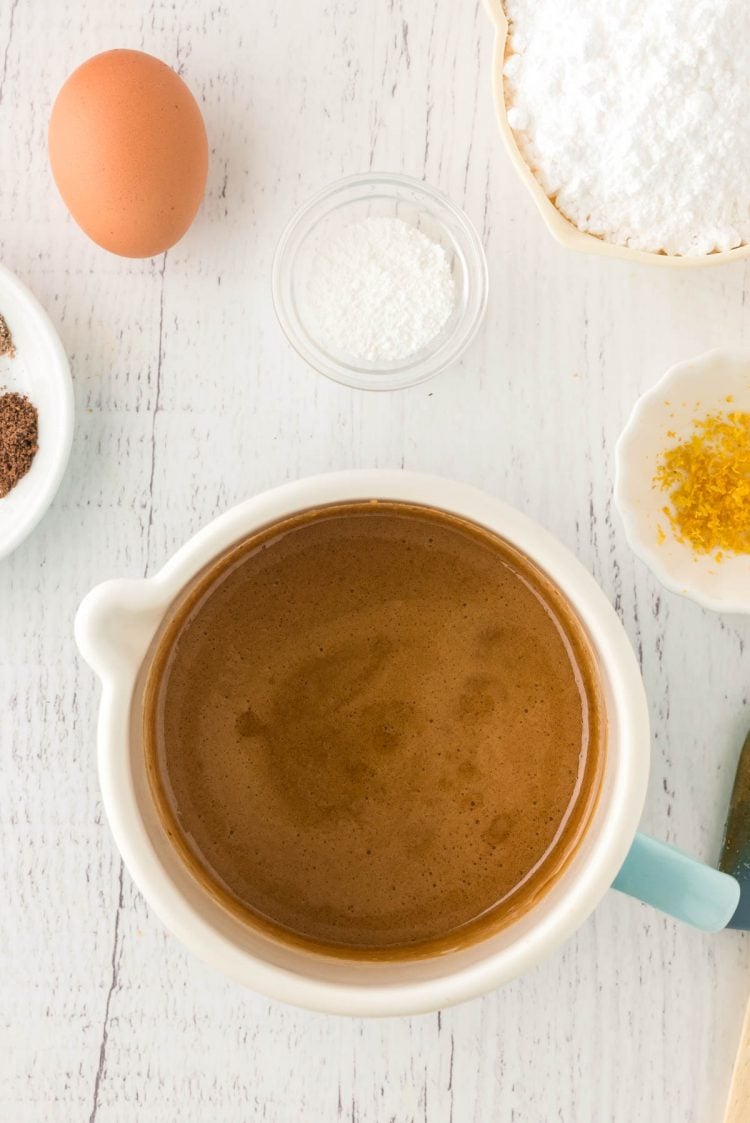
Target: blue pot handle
x,y
670,880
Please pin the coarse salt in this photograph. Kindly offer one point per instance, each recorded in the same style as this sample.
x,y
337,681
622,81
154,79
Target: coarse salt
x,y
633,115
379,291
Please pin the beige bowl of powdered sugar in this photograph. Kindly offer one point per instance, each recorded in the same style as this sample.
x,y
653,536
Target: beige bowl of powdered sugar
x,y
626,123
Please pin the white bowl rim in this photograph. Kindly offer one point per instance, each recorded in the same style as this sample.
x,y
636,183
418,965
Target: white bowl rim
x,y
58,372
624,473
627,790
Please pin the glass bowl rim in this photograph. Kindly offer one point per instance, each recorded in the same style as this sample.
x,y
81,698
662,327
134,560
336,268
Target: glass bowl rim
x,y
431,363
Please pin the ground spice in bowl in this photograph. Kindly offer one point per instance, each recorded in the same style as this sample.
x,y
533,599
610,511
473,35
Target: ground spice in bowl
x,y
19,427
7,346
707,477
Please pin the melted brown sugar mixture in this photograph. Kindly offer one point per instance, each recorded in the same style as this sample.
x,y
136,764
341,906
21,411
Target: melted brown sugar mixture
x,y
375,726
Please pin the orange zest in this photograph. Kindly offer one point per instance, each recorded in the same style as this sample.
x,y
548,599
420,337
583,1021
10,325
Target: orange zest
x,y
707,477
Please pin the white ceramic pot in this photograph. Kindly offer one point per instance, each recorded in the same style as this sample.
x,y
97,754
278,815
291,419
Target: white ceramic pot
x,y
115,628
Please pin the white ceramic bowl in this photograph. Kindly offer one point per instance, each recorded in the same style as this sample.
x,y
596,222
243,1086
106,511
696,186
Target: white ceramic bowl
x,y
687,391
39,370
559,226
116,626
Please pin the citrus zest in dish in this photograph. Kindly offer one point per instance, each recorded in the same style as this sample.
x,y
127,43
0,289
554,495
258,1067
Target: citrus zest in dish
x,y
707,477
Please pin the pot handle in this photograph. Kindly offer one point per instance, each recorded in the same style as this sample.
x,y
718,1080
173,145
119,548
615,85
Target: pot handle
x,y
116,622
672,881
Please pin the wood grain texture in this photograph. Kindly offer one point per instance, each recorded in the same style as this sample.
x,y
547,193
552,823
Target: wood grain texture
x,y
189,400
738,1104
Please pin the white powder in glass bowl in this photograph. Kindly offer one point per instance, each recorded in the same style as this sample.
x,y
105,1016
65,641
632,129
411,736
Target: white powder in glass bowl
x,y
634,115
378,291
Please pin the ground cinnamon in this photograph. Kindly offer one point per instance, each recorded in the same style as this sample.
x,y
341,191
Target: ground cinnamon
x,y
7,346
19,426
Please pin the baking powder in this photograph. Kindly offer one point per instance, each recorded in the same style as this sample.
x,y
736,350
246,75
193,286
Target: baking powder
x,y
379,291
633,115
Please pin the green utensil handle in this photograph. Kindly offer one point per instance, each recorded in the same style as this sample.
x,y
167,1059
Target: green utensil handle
x,y
672,881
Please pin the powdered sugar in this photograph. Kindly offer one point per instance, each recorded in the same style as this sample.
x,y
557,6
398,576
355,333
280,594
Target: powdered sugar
x,y
633,115
380,291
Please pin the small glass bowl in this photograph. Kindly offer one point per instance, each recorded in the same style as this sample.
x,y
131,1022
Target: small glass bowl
x,y
392,196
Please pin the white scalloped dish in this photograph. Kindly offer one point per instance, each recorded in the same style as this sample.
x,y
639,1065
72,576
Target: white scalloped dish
x,y
687,391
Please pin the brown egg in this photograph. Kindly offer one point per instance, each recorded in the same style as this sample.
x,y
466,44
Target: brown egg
x,y
128,150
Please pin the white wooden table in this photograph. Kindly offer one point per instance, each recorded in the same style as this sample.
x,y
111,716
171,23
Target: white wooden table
x,y
189,400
